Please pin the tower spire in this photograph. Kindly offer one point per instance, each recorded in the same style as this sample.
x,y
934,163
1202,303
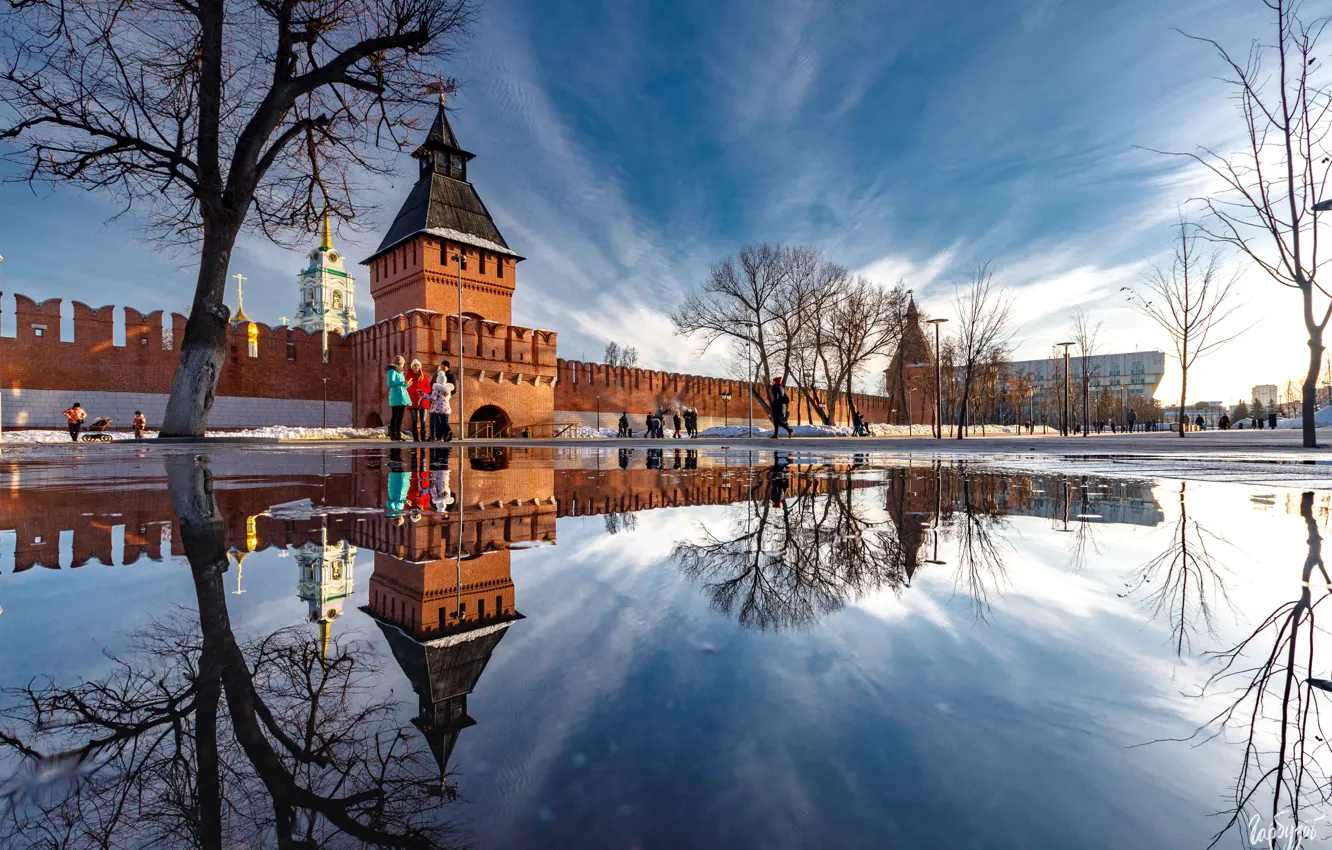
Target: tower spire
x,y
240,317
326,242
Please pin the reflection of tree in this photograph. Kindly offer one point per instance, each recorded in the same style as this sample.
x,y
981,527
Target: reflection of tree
x,y
1183,581
980,549
617,521
201,740
798,551
1285,747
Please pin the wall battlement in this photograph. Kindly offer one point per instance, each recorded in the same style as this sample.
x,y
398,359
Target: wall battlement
x,y
637,391
287,363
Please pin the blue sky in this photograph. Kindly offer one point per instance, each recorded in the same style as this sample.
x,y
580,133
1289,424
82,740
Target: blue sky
x,y
624,147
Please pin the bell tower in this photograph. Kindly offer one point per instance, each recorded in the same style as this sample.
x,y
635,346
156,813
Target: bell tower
x,y
327,291
443,218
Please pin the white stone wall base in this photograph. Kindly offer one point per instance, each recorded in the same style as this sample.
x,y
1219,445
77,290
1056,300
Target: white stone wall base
x,y
45,409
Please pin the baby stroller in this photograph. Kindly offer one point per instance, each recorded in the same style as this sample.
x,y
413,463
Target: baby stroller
x,y
97,431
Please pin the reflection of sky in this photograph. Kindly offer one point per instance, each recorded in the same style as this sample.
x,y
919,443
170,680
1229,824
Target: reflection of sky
x,y
625,711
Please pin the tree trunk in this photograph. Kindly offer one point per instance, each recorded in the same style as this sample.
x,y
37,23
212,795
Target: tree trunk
x,y
1183,387
962,410
203,348
1309,394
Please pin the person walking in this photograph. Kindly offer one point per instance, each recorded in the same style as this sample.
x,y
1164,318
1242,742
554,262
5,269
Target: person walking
x,y
74,417
1199,422
399,399
1132,419
441,406
624,425
675,420
418,392
139,423
778,402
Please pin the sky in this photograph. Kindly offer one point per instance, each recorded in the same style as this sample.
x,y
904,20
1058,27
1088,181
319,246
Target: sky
x,y
624,147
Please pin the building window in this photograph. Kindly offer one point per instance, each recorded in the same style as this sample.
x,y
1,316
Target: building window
x,y
481,261
480,609
443,253
462,610
499,267
499,604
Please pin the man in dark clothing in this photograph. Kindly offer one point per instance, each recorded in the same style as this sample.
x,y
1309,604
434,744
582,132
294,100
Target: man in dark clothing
x,y
624,426
779,402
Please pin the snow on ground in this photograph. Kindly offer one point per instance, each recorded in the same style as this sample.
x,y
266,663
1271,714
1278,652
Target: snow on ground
x,y
845,430
291,432
583,432
1322,419
270,432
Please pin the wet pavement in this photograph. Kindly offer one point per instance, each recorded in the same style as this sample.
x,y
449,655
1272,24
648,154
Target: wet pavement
x,y
504,647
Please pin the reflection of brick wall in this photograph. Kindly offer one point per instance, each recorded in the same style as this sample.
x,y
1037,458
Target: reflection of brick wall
x,y
637,391
288,365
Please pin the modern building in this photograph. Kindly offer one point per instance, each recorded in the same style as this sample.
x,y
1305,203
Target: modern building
x,y
1266,395
1138,373
327,291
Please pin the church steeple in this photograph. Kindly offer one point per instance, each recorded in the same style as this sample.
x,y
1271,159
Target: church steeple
x,y
326,239
440,153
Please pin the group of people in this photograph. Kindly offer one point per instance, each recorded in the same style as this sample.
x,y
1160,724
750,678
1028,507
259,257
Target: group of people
x,y
654,423
76,415
429,398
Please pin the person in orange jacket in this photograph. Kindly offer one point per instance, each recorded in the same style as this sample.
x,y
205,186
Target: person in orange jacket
x,y
140,422
74,416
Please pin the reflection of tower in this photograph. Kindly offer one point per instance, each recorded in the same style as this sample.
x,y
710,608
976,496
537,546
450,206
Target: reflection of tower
x,y
326,580
239,555
443,618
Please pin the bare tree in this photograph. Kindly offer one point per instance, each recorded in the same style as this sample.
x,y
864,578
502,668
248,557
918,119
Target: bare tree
x,y
1188,299
612,355
761,298
865,323
1275,187
1086,334
629,357
210,118
984,329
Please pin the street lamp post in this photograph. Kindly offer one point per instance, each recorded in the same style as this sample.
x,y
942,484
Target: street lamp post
x,y
325,380
726,407
938,382
461,260
1064,425
598,415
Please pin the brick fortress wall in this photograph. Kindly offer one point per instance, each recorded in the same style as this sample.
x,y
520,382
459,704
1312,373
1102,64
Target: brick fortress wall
x,y
40,375
637,391
506,366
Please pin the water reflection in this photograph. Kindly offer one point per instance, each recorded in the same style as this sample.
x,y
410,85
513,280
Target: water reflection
x,y
294,732
198,738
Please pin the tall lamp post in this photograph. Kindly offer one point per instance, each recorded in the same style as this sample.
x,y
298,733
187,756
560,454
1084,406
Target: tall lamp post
x,y
750,379
461,260
726,407
1064,429
938,382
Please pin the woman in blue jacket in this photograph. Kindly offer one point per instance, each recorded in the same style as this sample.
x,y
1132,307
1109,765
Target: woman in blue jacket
x,y
398,400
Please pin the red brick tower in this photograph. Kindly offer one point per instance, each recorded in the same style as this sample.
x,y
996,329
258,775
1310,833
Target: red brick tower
x,y
415,268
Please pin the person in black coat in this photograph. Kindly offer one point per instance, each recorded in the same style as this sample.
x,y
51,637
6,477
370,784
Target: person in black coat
x,y
779,404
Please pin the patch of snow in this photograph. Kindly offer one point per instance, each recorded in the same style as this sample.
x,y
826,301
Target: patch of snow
x,y
875,430
54,435
1322,419
291,432
583,432
468,239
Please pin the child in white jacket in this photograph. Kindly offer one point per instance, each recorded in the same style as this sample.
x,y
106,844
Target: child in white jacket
x,y
441,392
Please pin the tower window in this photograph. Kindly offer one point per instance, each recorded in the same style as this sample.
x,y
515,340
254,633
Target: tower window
x,y
443,253
499,267
481,261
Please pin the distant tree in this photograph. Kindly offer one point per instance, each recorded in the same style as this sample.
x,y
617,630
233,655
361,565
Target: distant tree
x,y
1241,411
1086,334
1189,299
1274,185
612,355
629,357
1259,411
1106,404
984,330
210,118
